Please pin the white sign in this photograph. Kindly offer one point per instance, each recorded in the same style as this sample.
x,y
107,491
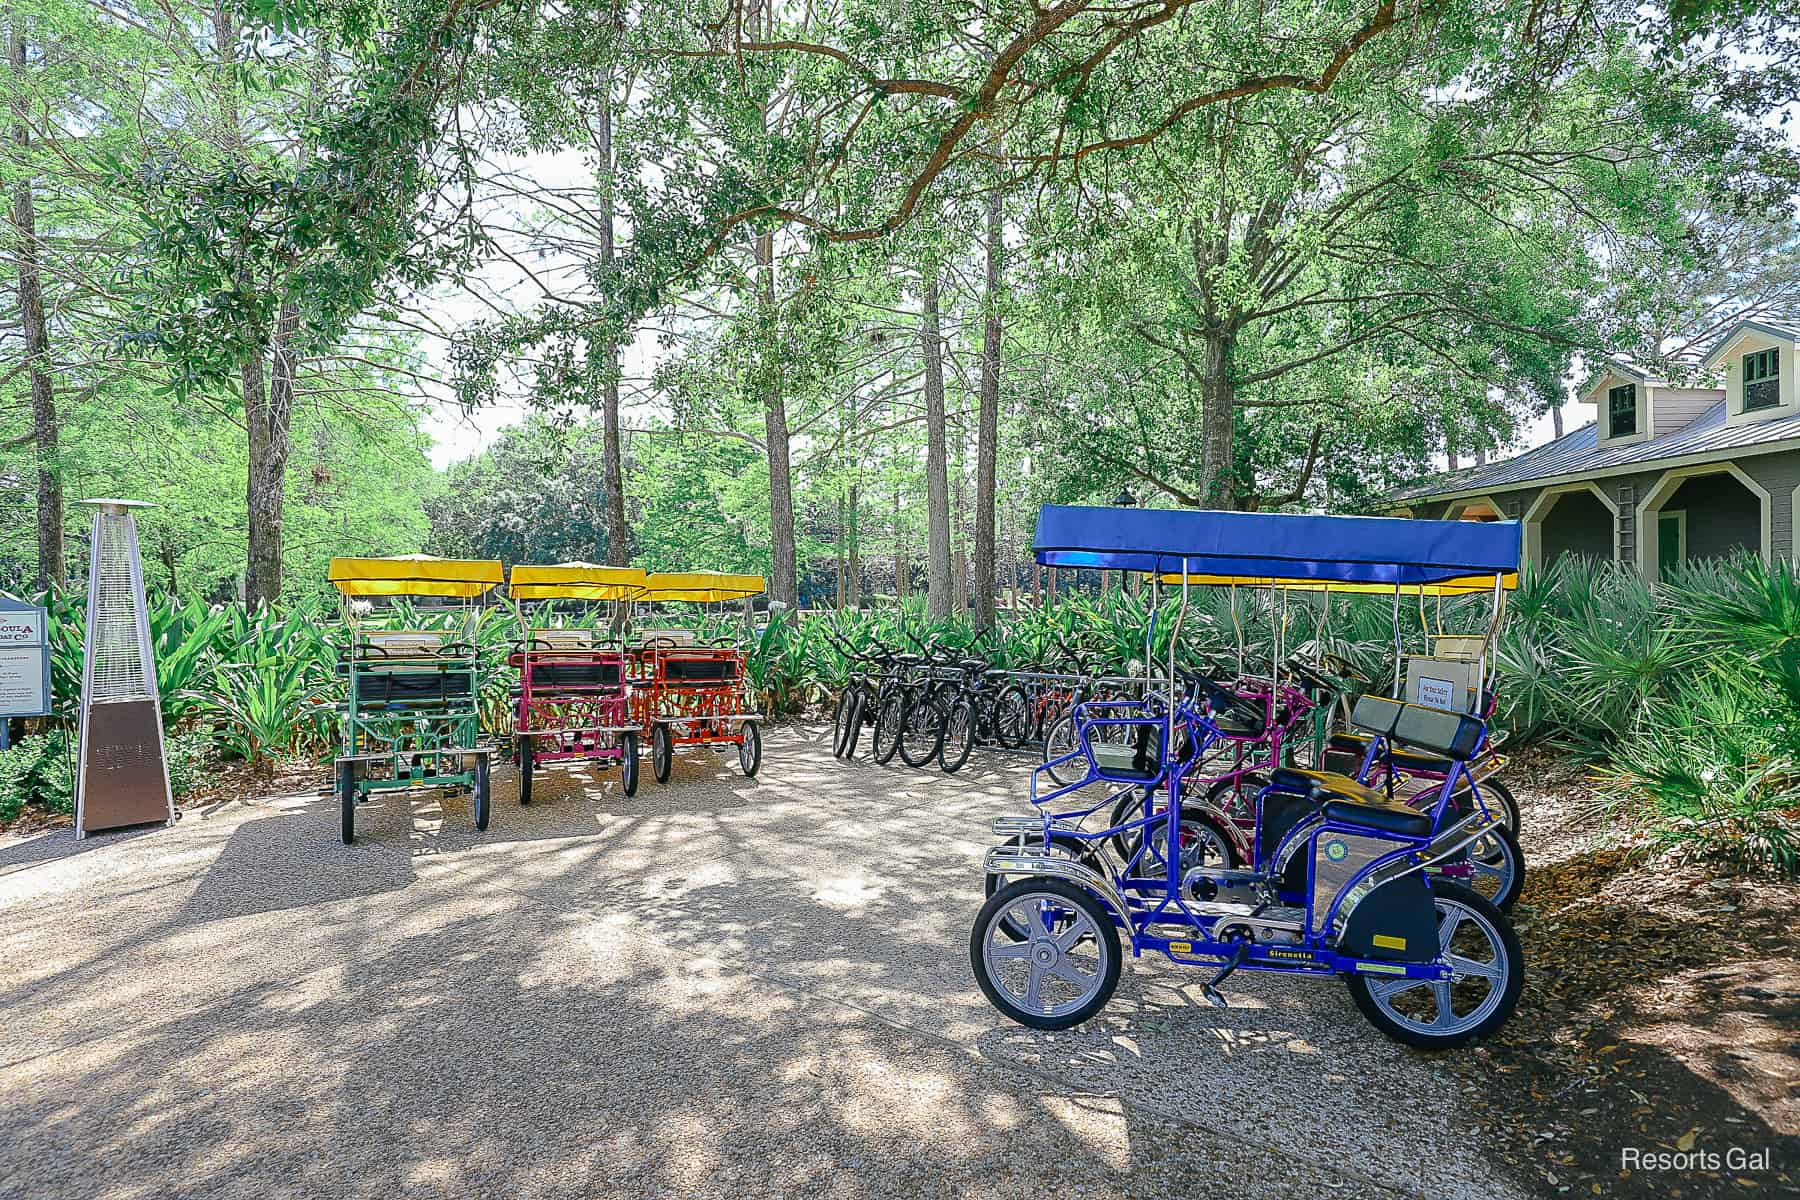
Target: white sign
x,y
1438,693
24,627
22,683
24,660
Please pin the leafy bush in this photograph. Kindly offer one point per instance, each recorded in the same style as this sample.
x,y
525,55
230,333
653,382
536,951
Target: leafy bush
x,y
38,770
1686,692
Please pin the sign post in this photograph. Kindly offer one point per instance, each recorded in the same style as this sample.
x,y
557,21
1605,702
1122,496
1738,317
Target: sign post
x,y
24,663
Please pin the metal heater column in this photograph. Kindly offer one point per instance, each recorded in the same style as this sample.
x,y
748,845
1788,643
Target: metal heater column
x,y
124,775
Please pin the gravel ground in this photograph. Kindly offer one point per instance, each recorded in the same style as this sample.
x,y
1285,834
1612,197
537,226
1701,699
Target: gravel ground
x,y
720,986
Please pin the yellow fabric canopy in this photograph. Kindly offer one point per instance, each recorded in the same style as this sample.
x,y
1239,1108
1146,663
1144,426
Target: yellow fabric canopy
x,y
416,575
576,581
1467,585
698,586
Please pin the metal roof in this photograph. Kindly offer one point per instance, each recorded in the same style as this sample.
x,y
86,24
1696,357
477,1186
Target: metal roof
x,y
1578,453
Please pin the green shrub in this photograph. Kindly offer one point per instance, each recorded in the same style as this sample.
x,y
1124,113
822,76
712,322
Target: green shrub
x,y
39,770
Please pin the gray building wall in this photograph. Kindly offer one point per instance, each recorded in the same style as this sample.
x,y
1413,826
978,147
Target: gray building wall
x,y
1723,516
1719,517
1576,523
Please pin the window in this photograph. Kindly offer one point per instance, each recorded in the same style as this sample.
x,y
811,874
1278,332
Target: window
x,y
1762,380
1621,411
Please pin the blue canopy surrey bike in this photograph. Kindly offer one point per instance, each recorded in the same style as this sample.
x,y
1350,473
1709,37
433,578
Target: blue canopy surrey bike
x,y
1340,882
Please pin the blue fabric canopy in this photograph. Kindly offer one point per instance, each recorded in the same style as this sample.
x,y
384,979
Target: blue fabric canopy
x,y
1391,550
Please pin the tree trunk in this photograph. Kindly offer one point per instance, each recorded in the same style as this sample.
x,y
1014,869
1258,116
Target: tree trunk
x,y
901,571
959,563
839,552
618,532
937,482
784,584
1556,424
853,558
1450,447
1218,399
987,436
44,429
268,409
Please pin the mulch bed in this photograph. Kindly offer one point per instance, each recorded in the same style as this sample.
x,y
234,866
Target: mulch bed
x,y
1661,1013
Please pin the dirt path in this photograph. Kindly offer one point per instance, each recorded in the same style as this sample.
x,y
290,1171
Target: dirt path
x,y
718,987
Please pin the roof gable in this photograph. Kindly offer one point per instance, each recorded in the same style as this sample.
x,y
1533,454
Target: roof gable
x,y
1779,330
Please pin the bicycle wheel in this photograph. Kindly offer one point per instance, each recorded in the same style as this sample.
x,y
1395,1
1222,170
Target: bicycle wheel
x,y
1060,740
921,731
1012,717
853,719
837,721
958,740
889,717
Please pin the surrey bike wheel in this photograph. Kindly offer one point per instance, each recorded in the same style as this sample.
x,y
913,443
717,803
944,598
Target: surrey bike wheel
x,y
525,765
1080,850
628,761
480,792
921,731
749,749
1497,868
1480,946
958,741
662,753
346,793
1061,975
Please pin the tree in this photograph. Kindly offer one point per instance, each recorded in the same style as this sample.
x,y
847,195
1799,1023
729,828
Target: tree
x,y
37,362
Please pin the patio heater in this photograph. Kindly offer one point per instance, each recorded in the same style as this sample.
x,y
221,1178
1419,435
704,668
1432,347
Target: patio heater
x,y
123,777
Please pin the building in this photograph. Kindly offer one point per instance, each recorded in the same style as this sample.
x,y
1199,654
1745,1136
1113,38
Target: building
x,y
1666,472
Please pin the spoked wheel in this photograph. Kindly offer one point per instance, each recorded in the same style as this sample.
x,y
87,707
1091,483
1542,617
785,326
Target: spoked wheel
x,y
853,723
1478,943
1080,849
628,761
662,753
1061,975
1499,800
1497,868
889,718
478,792
1237,797
526,755
921,731
346,792
1012,717
1062,739
959,736
837,723
750,747
1203,844
842,720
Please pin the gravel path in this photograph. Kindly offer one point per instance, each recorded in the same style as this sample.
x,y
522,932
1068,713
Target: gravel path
x,y
726,987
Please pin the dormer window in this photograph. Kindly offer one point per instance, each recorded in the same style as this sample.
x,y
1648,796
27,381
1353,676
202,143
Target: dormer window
x,y
1762,380
1621,411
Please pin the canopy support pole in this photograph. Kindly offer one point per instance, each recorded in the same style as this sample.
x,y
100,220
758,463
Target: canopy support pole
x,y
1399,652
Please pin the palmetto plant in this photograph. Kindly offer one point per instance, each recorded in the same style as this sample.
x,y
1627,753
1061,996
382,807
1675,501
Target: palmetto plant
x,y
1688,691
